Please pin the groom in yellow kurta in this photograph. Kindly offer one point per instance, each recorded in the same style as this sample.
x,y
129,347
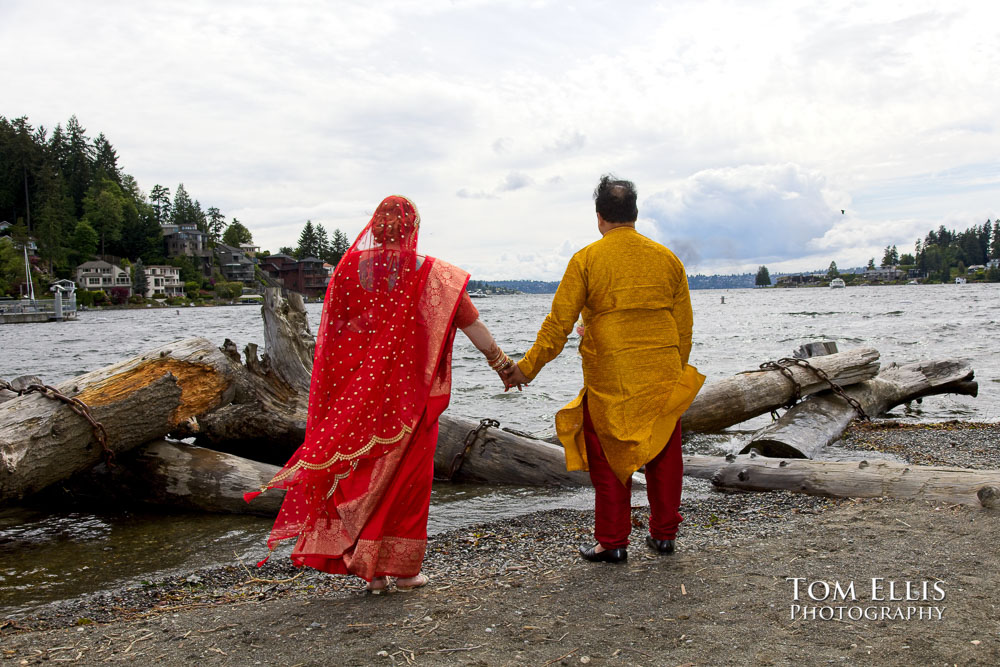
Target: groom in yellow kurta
x,y
637,382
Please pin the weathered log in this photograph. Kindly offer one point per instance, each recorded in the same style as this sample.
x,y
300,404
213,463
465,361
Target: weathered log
x,y
190,477
752,393
813,424
500,457
142,399
847,479
817,349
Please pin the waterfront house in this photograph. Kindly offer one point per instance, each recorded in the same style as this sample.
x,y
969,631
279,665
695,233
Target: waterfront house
x,y
188,241
884,274
250,250
162,279
306,276
993,264
236,267
99,275
975,268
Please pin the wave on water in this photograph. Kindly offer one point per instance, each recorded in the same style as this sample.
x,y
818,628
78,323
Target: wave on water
x,y
815,313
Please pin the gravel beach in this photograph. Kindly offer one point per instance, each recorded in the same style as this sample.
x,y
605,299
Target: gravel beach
x,y
515,592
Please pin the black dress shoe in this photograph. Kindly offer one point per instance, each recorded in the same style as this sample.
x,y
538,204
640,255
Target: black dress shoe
x,y
606,556
660,546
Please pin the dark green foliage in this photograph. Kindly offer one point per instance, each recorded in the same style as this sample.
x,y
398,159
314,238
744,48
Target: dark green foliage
x,y
832,272
338,246
139,281
308,242
763,278
236,234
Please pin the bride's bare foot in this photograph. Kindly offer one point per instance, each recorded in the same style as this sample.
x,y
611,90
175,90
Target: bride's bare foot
x,y
410,583
377,585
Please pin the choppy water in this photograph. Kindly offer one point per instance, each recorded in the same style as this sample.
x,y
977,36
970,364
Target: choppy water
x,y
51,555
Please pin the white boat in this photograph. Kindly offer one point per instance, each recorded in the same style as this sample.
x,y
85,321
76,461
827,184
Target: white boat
x,y
959,280
837,282
478,294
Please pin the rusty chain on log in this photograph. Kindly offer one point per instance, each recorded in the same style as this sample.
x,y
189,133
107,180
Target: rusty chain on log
x,y
76,405
783,366
470,440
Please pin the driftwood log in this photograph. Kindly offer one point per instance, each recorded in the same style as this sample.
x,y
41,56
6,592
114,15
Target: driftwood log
x,y
43,441
750,394
848,479
808,427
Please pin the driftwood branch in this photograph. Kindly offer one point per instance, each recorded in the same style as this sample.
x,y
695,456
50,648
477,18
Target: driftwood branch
x,y
848,479
807,428
747,395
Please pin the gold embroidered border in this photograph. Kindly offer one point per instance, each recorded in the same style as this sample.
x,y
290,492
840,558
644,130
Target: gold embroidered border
x,y
403,432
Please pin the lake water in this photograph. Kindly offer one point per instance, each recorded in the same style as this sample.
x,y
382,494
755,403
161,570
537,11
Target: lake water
x,y
48,555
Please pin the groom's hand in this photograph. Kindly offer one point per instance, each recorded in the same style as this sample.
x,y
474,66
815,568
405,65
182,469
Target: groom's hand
x,y
513,377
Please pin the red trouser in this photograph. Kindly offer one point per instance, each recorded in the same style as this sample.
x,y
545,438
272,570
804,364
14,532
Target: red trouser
x,y
613,500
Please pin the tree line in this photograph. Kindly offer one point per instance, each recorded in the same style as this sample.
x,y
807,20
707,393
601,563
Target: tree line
x,y
68,193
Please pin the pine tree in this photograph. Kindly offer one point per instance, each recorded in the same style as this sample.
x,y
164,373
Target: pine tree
x,y
183,212
763,277
871,264
216,224
338,246
104,209
307,242
322,243
78,168
995,243
832,272
139,281
160,199
106,159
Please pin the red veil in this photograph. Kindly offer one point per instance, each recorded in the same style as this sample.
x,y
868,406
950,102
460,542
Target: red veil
x,y
382,353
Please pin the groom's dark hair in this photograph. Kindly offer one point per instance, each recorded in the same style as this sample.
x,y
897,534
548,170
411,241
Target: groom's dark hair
x,y
615,200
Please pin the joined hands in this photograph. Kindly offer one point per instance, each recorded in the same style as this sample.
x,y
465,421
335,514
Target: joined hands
x,y
512,377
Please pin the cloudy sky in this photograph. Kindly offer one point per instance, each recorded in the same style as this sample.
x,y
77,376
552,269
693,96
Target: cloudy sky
x,y
746,126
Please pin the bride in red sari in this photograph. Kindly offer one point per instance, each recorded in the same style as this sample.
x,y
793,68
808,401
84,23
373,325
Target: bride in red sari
x,y
358,489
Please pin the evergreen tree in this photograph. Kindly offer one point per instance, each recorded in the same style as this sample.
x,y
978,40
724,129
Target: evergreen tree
x,y
995,243
338,246
55,216
763,277
84,242
104,208
285,250
832,272
322,243
183,212
307,242
11,266
139,281
871,264
236,234
216,224
78,167
159,197
106,159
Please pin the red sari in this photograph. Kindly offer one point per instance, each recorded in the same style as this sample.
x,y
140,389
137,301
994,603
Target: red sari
x,y
358,489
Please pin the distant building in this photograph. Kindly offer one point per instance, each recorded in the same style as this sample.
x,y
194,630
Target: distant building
x,y
162,279
993,264
236,267
100,275
976,267
4,226
250,250
306,276
188,241
884,274
800,279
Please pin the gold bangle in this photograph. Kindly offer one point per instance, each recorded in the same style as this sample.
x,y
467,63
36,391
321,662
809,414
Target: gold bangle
x,y
506,363
500,355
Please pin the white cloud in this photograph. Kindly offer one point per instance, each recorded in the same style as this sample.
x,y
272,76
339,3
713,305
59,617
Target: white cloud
x,y
752,124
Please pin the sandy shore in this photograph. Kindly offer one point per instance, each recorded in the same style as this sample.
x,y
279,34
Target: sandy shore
x,y
515,592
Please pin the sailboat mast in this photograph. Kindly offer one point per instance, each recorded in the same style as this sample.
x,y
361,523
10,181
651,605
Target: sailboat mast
x,y
27,272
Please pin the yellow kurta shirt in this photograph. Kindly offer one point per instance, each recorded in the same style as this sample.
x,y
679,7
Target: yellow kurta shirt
x,y
633,294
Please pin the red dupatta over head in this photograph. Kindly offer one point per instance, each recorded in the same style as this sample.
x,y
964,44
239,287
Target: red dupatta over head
x,y
373,368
